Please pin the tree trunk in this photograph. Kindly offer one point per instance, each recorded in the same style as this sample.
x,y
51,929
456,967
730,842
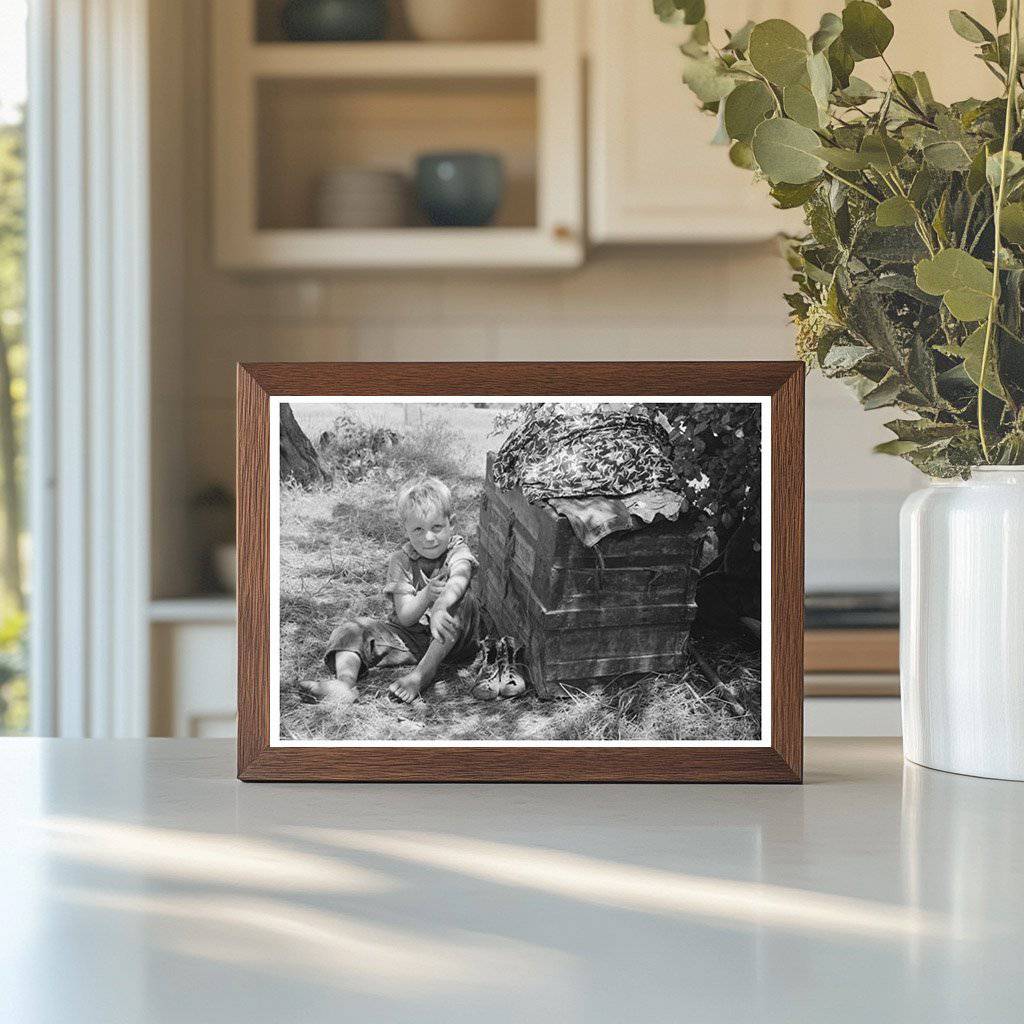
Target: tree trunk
x,y
299,461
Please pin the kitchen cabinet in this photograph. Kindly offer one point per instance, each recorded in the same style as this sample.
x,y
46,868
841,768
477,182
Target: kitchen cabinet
x,y
653,175
287,114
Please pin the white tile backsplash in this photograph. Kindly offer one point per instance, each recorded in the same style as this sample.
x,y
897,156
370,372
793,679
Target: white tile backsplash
x,y
715,303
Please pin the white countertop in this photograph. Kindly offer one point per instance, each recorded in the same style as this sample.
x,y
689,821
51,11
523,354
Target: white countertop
x,y
140,882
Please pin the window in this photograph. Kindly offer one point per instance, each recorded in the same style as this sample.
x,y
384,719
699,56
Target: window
x,y
14,694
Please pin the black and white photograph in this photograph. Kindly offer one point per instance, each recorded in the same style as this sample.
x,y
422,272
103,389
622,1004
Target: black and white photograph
x,y
520,570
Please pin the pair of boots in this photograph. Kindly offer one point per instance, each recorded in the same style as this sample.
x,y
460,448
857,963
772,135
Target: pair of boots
x,y
498,669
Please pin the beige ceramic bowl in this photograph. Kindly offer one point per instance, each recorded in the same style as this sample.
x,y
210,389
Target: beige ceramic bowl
x,y
470,20
359,197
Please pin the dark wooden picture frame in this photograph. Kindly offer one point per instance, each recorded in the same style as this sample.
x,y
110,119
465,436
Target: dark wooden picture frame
x,y
780,761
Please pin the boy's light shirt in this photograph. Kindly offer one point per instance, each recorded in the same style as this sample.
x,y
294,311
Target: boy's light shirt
x,y
400,578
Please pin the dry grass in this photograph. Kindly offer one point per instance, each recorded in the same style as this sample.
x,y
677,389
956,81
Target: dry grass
x,y
335,543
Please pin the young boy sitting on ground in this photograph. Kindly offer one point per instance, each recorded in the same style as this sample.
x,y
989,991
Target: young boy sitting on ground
x,y
434,616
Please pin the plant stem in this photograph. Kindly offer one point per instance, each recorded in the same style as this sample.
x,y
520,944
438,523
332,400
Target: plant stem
x,y
776,100
1011,108
853,185
907,99
981,231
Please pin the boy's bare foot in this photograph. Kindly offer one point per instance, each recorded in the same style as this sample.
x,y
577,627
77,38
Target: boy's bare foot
x,y
407,688
336,691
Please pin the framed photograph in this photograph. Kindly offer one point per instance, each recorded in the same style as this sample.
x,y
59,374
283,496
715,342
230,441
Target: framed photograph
x,y
564,572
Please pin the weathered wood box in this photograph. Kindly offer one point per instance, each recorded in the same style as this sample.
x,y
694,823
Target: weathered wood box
x,y
586,614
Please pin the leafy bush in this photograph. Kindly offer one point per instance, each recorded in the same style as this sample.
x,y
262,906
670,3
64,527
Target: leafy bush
x,y
901,289
716,453
351,449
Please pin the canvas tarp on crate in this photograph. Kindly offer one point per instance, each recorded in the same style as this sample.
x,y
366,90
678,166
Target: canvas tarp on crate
x,y
584,614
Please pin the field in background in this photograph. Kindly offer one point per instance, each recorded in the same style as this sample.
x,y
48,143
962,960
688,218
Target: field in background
x,y
335,544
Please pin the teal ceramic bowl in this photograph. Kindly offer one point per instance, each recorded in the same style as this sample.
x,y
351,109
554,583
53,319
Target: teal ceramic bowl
x,y
334,21
460,189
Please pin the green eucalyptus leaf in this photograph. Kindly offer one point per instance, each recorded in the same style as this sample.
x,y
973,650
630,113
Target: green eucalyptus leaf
x,y
921,370
787,152
825,345
895,447
923,431
976,174
829,30
884,394
868,320
993,167
922,185
779,51
947,156
841,62
866,29
842,359
822,222
788,196
739,41
721,136
693,10
741,155
819,74
906,84
956,387
666,10
997,53
844,159
939,220
963,281
893,246
883,152
969,28
971,351
707,78
689,12
924,87
999,9
902,283
856,92
745,108
895,212
701,34
1011,226
801,106
967,216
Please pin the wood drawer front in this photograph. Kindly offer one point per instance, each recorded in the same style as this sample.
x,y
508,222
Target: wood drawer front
x,y
852,650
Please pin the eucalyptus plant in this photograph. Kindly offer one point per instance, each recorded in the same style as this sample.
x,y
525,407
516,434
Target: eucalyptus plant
x,y
910,278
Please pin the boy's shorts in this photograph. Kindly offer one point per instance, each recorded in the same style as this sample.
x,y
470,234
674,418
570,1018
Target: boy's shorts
x,y
383,642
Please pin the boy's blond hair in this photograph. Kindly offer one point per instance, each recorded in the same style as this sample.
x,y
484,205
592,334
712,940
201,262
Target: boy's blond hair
x,y
425,495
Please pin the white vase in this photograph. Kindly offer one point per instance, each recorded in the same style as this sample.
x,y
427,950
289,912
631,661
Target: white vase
x,y
962,624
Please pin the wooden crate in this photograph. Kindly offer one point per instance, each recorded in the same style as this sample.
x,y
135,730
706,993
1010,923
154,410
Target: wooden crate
x,y
586,614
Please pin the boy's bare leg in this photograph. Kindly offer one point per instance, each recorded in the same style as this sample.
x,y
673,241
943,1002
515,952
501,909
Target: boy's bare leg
x,y
342,688
408,687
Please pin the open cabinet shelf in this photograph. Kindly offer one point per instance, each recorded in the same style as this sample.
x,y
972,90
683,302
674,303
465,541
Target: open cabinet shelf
x,y
393,60
287,114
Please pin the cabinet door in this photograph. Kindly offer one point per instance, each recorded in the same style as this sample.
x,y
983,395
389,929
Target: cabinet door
x,y
654,176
